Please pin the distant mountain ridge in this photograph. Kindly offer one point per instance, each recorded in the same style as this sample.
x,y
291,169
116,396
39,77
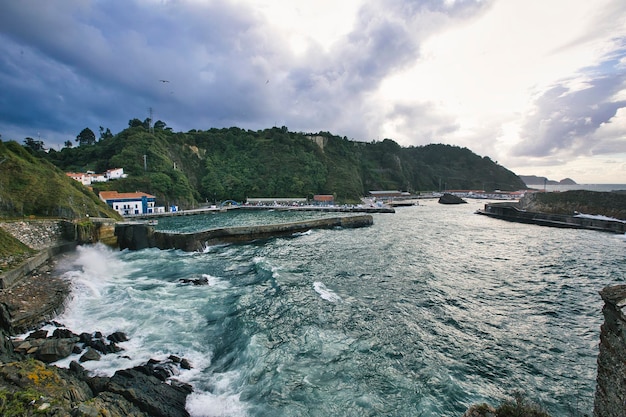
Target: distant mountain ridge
x,y
535,180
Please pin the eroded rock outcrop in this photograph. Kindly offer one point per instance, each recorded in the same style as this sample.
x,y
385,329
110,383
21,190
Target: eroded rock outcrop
x,y
610,399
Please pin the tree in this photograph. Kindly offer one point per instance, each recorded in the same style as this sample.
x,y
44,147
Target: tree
x,y
135,123
105,134
68,143
159,125
86,137
33,145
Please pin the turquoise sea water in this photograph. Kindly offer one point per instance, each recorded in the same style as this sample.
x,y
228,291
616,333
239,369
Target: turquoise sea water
x,y
429,310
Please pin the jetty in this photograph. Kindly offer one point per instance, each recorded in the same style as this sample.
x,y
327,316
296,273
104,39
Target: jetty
x,y
226,208
141,235
510,212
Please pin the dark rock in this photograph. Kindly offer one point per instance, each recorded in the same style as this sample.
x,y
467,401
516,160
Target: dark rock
x,y
38,334
117,337
101,346
77,349
610,381
185,364
85,337
451,199
78,370
52,350
113,348
90,355
97,344
195,281
97,335
98,384
63,334
7,352
113,404
149,393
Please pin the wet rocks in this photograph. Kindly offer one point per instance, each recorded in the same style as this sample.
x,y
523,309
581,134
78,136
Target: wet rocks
x,y
149,393
195,281
146,390
63,342
90,355
451,199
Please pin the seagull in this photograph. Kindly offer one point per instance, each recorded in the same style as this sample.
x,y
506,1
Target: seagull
x,y
164,81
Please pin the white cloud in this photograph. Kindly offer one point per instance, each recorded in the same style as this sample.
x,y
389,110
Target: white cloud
x,y
487,73
306,24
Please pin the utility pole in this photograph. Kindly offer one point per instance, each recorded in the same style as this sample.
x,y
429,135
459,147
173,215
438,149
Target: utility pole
x,y
145,162
150,124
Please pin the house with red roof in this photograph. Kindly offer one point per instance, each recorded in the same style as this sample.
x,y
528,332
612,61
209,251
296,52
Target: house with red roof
x,y
128,204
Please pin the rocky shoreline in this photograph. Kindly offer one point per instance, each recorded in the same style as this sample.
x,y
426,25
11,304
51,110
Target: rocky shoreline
x,y
30,385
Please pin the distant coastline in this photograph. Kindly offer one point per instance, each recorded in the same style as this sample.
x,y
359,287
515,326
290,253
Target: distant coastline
x,y
588,187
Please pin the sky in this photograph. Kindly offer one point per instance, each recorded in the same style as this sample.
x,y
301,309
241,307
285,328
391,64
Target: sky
x,y
537,85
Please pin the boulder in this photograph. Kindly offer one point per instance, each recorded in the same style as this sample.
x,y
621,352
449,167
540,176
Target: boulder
x,y
149,393
451,199
63,334
52,350
90,355
117,337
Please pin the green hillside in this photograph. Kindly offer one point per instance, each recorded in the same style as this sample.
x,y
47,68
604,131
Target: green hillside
x,y
191,168
32,186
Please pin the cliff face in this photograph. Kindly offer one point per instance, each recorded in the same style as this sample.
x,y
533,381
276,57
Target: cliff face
x,y
610,400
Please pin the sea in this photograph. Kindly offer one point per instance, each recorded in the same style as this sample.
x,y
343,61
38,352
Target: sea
x,y
431,309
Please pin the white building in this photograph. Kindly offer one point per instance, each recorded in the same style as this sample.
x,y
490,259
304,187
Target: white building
x,y
128,204
89,177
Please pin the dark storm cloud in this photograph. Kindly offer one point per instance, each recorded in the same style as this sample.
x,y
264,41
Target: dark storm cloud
x,y
70,64
567,119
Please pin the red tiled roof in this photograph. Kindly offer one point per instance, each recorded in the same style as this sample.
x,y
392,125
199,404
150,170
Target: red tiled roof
x,y
114,195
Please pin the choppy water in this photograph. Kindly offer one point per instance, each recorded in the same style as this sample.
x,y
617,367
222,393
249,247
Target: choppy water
x,y
431,309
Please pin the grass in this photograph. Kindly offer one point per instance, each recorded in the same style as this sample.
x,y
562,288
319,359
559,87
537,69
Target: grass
x,y
12,251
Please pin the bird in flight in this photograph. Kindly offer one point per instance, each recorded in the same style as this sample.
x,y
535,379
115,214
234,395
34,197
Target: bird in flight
x,y
164,81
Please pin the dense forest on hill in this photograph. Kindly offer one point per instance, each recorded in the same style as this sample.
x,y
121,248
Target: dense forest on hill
x,y
217,164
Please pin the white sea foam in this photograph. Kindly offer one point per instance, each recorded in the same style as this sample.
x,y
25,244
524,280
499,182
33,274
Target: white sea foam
x,y
325,293
262,263
599,217
220,402
216,282
204,404
308,232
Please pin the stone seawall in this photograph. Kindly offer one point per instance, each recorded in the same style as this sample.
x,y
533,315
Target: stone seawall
x,y
610,399
137,236
510,212
50,238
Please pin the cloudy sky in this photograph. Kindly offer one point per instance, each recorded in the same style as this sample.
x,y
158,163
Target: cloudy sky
x,y
537,85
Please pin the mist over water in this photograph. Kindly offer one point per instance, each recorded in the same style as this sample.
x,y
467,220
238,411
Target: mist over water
x,y
429,310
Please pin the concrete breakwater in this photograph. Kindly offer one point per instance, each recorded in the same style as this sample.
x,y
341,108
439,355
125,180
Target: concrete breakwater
x,y
135,235
509,212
